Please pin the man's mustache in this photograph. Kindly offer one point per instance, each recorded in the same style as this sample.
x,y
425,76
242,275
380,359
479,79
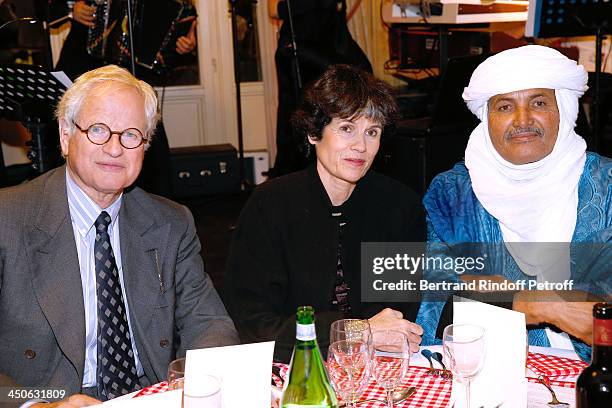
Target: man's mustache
x,y
519,131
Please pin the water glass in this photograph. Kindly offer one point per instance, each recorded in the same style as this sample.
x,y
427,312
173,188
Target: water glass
x,y
464,352
202,391
350,329
348,366
390,360
355,330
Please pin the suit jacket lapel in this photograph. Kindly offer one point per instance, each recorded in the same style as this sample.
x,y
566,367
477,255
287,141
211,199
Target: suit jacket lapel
x,y
56,278
142,251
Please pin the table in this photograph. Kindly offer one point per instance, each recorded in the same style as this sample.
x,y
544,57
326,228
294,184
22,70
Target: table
x,y
561,368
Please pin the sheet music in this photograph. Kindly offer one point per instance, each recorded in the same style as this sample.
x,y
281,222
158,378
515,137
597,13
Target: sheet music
x,y
62,78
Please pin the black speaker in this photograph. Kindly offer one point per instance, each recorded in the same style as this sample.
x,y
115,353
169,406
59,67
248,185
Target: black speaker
x,y
415,161
204,170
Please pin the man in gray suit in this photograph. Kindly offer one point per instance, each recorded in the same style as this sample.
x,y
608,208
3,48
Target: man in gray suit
x,y
101,285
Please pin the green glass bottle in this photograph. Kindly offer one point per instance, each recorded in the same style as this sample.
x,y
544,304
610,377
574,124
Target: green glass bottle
x,y
308,384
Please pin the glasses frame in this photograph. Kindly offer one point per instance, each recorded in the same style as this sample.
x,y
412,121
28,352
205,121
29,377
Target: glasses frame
x,y
143,139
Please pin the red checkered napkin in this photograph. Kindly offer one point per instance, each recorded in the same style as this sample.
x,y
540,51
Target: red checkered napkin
x,y
553,366
432,391
163,386
153,389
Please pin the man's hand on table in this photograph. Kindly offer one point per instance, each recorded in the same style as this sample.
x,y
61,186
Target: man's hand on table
x,y
568,312
74,401
389,319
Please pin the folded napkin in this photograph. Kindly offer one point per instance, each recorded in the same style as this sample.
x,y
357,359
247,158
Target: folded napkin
x,y
554,366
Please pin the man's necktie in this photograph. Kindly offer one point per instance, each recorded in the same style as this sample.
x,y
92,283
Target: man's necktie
x,y
116,373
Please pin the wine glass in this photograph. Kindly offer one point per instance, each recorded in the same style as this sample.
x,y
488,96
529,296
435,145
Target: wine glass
x,y
356,330
350,329
348,365
464,350
390,360
176,374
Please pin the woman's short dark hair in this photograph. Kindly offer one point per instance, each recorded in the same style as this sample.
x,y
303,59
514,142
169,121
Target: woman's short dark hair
x,y
344,92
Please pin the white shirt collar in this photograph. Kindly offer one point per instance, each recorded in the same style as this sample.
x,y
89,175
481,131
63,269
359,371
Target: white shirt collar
x,y
83,210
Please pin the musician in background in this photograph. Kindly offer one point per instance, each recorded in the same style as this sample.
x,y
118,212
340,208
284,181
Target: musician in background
x,y
322,39
74,61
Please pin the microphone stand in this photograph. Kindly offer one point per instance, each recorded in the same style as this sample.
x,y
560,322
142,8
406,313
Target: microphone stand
x,y
296,61
244,184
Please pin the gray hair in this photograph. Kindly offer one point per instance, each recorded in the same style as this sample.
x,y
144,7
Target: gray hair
x,y
71,102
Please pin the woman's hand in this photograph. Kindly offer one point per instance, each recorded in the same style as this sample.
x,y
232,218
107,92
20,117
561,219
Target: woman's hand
x,y
83,13
389,319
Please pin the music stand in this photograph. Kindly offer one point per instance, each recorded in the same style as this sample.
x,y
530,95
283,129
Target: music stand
x,y
28,94
568,18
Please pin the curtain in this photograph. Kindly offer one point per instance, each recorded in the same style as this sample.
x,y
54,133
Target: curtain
x,y
368,29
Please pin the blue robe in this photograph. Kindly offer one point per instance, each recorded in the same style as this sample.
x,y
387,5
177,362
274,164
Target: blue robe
x,y
455,215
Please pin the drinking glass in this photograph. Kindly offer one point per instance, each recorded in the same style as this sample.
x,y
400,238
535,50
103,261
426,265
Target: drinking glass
x,y
390,360
202,391
355,330
350,329
176,374
464,351
348,365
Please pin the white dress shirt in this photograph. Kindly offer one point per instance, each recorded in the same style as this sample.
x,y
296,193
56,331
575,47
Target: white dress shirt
x,y
83,213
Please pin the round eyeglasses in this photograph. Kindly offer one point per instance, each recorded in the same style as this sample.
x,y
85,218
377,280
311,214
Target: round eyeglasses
x,y
100,133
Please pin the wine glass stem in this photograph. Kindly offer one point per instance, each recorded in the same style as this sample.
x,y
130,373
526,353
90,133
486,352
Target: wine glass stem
x,y
389,397
467,393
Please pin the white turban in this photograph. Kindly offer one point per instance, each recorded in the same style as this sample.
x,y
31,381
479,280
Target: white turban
x,y
534,202
531,66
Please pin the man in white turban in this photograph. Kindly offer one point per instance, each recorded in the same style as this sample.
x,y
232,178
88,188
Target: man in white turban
x,y
527,178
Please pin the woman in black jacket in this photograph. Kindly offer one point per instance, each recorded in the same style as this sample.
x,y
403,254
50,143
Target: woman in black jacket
x,y
299,236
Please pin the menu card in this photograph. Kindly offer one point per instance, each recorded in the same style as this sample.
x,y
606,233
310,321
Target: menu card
x,y
501,381
245,371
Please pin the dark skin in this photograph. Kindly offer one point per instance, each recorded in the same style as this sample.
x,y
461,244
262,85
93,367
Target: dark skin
x,y
569,311
523,127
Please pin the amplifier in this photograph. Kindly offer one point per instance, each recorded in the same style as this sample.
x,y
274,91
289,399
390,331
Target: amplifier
x,y
419,48
204,170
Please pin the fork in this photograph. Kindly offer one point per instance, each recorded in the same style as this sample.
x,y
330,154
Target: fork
x,y
555,402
